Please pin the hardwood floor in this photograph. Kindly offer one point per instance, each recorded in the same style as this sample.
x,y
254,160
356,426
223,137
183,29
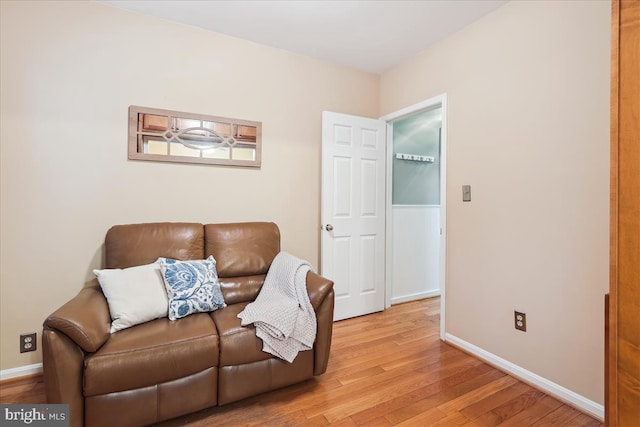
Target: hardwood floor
x,y
386,369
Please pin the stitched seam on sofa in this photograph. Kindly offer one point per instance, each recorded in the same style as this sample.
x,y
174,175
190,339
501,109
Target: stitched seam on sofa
x,y
234,331
172,344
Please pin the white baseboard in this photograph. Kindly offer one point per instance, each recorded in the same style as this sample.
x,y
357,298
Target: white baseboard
x,y
21,371
574,399
416,296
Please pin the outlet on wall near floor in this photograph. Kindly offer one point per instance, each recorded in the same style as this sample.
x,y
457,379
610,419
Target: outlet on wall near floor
x,y
28,342
520,320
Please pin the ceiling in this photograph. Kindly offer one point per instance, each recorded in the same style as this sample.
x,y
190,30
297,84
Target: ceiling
x,y
372,36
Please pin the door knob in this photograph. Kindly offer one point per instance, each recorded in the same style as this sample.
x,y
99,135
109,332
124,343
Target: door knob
x,y
329,227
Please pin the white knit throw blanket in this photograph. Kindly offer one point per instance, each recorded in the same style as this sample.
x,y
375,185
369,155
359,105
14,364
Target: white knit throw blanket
x,y
282,313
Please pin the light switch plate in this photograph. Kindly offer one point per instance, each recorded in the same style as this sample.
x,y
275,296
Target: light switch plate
x,y
466,193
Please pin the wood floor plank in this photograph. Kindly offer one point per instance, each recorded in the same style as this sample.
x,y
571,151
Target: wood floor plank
x,y
387,386
427,356
564,414
443,394
389,392
383,355
494,400
453,419
414,409
377,422
417,397
318,421
489,374
348,377
294,419
19,390
399,378
427,418
538,410
470,398
584,420
510,408
385,369
347,422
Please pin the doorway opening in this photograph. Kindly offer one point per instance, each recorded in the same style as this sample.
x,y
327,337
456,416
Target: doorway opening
x,y
416,204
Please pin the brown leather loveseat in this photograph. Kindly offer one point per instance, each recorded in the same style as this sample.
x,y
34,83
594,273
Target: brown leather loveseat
x,y
162,369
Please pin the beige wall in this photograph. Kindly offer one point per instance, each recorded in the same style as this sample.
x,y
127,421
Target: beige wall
x,y
528,129
69,72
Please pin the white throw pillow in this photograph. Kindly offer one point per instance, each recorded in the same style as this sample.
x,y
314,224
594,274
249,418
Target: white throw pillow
x,y
135,295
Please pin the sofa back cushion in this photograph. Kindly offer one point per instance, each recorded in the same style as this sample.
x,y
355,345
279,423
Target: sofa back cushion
x,y
242,249
139,244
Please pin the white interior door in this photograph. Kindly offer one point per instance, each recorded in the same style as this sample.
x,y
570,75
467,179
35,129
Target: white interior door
x,y
353,212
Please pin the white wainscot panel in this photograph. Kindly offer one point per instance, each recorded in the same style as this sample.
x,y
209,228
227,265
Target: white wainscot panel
x,y
416,252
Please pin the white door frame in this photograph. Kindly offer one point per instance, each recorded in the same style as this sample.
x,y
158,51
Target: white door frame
x,y
436,101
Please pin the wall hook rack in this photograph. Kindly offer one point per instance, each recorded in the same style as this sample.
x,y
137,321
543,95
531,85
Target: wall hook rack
x,y
415,158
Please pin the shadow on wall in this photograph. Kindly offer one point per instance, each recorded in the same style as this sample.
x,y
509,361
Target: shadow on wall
x,y
97,262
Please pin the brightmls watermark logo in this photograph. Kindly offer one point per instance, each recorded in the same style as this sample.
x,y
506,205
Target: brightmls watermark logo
x,y
34,415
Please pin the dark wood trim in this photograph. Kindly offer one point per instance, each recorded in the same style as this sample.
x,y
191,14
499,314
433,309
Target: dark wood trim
x,y
622,398
610,408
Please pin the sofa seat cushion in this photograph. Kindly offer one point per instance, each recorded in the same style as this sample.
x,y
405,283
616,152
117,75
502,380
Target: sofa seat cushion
x,y
152,353
238,344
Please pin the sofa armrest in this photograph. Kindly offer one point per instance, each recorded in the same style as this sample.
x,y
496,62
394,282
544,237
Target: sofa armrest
x,y
321,294
318,288
63,360
85,319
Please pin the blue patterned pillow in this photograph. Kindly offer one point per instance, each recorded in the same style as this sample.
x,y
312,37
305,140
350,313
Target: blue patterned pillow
x,y
192,286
